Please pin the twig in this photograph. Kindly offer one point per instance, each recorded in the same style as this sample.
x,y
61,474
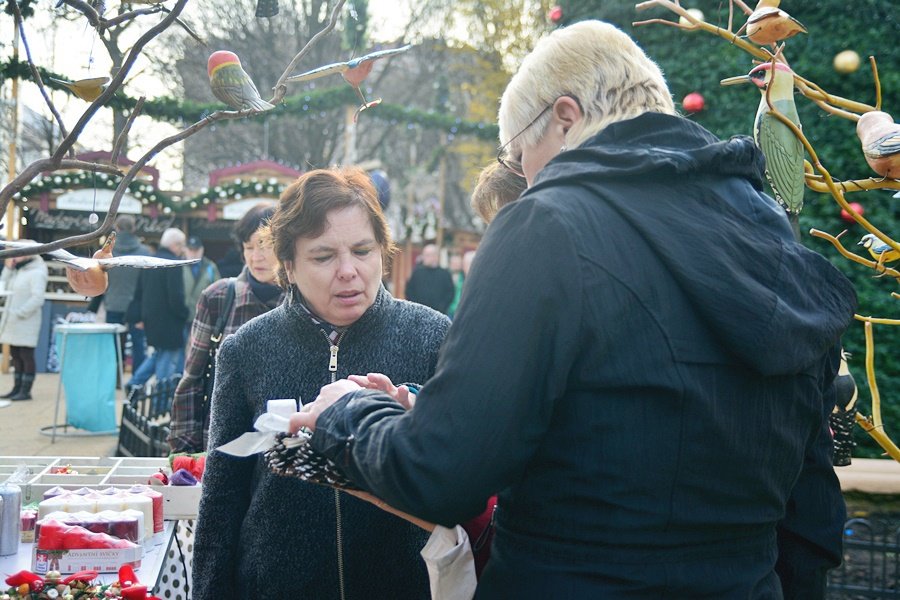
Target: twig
x,y
877,82
34,70
870,375
817,183
123,135
280,87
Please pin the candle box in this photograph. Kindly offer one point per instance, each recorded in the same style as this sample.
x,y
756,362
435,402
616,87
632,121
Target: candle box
x,y
104,560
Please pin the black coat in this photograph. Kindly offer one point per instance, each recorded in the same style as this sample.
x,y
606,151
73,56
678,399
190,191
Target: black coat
x,y
431,286
640,365
159,304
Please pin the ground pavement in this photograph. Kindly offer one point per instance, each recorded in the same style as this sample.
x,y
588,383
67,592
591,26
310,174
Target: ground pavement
x,y
20,423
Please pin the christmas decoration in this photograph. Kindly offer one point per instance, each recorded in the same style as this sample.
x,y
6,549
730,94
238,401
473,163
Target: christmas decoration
x,y
846,216
556,14
231,84
694,12
847,61
693,102
60,182
308,105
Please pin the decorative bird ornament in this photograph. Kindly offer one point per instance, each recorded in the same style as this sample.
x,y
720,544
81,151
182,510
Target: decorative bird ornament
x,y
231,84
87,276
843,417
880,138
768,24
354,72
881,251
86,89
782,149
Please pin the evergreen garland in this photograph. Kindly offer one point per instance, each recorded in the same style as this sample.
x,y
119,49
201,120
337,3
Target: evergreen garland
x,y
180,112
69,180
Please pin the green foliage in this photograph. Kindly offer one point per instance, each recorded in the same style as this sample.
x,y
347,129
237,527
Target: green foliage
x,y
697,61
305,105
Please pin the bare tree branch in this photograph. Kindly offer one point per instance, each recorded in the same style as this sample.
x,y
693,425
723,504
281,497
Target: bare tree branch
x,y
120,142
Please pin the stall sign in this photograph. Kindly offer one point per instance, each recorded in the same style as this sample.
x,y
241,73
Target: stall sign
x,y
236,210
91,200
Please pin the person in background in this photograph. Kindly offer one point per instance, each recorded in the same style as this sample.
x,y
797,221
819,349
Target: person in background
x,y
159,308
231,264
642,350
262,534
431,284
198,276
255,292
455,268
497,186
25,278
120,291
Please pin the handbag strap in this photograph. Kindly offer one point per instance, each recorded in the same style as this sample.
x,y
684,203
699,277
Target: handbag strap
x,y
214,339
219,328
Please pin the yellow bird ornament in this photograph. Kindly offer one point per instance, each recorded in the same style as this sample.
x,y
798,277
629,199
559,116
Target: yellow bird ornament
x,y
881,251
86,89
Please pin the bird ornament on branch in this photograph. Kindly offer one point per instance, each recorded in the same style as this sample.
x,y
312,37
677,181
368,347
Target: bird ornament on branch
x,y
87,276
880,138
783,150
767,24
231,84
353,71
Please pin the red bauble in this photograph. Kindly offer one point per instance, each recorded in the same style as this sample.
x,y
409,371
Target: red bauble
x,y
555,14
855,206
693,102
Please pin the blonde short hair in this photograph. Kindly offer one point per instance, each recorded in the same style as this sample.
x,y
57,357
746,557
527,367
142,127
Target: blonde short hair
x,y
596,63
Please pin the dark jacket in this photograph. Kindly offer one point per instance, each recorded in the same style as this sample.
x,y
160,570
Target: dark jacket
x,y
431,286
638,365
123,282
263,535
159,303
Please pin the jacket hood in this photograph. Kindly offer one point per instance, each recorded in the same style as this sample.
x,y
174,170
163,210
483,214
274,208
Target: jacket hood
x,y
697,203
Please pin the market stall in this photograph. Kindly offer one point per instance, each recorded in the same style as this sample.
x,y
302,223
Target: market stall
x,y
163,540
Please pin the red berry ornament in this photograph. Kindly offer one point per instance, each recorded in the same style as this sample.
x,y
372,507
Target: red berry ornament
x,y
693,102
846,216
556,14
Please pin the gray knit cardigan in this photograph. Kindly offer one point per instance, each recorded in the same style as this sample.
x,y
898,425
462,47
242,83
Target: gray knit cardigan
x,y
260,535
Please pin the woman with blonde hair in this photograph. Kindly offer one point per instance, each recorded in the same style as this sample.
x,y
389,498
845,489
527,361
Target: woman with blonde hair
x,y
641,363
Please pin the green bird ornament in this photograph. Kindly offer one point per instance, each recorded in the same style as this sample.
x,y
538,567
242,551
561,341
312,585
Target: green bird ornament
x,y
231,84
783,150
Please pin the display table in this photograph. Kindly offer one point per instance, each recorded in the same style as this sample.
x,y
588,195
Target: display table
x,y
149,573
90,362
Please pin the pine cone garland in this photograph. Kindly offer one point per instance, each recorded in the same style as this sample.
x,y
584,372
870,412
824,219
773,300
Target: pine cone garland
x,y
292,456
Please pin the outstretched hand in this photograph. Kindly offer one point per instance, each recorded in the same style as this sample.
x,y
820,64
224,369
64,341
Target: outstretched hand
x,y
377,381
328,395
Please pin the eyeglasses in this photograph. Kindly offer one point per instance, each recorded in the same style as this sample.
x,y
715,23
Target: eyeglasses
x,y
511,165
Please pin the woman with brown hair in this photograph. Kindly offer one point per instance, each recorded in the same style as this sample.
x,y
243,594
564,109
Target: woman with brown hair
x,y
262,535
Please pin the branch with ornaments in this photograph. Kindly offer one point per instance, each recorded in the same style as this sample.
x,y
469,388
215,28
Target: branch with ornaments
x,y
792,163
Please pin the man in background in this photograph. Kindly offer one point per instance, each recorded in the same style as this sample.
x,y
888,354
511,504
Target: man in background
x,y
197,276
431,284
122,285
159,307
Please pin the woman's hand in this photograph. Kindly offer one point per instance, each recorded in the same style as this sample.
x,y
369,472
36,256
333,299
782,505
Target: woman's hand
x,y
377,381
328,395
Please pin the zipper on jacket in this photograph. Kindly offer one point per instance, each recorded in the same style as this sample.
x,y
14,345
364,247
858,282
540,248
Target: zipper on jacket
x,y
332,368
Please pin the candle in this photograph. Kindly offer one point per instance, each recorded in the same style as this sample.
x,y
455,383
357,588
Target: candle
x,y
10,518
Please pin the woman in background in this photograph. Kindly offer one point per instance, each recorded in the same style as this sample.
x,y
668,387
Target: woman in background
x,y
25,278
255,293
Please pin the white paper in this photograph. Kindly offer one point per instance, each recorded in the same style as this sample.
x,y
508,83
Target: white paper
x,y
254,442
451,564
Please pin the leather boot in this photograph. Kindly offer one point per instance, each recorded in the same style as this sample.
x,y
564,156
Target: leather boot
x,y
16,386
25,391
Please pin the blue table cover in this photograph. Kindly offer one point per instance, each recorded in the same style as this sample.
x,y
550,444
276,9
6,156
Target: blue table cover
x,y
89,366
